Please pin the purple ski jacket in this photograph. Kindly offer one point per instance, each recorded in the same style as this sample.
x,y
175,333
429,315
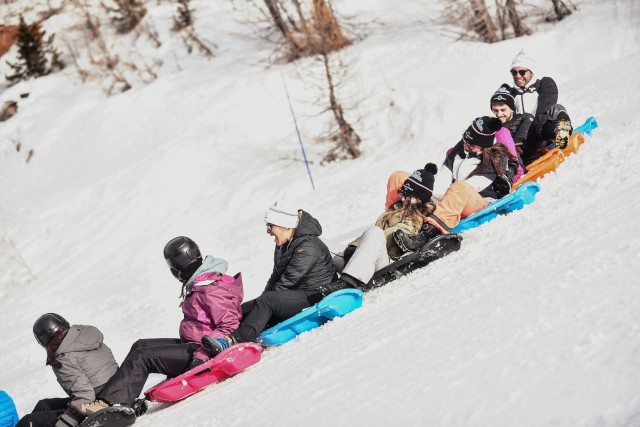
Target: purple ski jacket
x,y
211,307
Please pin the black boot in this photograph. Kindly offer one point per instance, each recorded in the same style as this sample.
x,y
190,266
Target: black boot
x,y
409,242
345,281
413,242
139,406
430,231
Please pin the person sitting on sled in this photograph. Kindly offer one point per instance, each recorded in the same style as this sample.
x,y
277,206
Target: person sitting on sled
x,y
477,171
512,135
210,305
515,127
82,363
302,266
551,125
376,247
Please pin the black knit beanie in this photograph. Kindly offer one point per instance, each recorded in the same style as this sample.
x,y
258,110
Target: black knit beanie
x,y
482,131
504,97
420,183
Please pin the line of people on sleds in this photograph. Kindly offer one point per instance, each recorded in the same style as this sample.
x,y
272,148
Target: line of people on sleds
x,y
492,153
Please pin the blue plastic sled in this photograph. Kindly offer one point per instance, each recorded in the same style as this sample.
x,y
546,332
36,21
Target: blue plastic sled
x,y
335,305
587,127
524,195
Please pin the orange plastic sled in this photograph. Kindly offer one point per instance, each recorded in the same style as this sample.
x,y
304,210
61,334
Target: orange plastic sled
x,y
550,161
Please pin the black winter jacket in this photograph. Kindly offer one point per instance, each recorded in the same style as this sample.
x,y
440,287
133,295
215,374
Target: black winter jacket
x,y
304,262
542,94
519,127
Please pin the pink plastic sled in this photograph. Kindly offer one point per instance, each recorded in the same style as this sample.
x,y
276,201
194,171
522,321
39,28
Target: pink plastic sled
x,y
231,361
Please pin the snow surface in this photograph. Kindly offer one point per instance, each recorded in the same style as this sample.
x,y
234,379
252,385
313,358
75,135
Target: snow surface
x,y
534,322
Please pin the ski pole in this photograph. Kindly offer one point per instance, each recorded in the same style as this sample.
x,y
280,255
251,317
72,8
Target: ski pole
x,y
295,122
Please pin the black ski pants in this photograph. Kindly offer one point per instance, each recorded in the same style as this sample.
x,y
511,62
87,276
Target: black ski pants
x,y
46,413
270,308
541,132
166,356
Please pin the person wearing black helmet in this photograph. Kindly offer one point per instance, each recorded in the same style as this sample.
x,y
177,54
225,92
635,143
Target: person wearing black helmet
x,y
210,305
82,363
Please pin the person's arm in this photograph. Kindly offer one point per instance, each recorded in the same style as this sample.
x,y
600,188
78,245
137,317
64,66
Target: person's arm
x,y
75,382
547,95
218,305
483,179
503,136
444,177
272,279
520,135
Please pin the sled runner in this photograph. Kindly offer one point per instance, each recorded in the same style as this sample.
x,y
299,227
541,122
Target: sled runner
x,y
433,250
553,158
114,416
229,362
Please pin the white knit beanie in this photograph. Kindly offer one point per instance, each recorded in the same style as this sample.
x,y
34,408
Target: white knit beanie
x,y
282,214
524,61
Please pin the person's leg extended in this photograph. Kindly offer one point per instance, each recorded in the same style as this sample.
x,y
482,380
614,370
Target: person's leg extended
x,y
460,201
146,357
271,305
370,256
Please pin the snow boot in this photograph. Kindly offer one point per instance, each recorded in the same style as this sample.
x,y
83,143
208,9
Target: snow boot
x,y
413,242
216,346
563,132
139,406
409,242
345,281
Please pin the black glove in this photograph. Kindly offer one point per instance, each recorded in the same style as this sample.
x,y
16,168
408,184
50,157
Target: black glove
x,y
195,362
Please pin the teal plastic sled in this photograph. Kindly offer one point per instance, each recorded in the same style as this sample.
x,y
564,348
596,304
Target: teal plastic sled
x,y
336,304
587,127
524,195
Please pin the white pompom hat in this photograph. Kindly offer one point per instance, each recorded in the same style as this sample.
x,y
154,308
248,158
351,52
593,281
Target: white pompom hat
x,y
524,61
282,214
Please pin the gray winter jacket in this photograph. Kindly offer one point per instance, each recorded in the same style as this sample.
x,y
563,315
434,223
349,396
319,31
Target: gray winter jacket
x,y
87,363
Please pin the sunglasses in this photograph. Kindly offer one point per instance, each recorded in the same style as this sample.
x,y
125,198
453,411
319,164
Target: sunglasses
x,y
521,72
470,146
269,226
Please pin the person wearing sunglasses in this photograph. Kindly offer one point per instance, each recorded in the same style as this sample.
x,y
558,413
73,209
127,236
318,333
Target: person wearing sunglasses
x,y
302,265
210,302
82,363
476,171
551,126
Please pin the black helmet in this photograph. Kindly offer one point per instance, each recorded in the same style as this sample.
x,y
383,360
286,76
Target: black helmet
x,y
183,257
46,326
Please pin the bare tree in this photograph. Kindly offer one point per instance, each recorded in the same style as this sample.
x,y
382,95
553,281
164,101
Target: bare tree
x,y
183,23
310,33
311,28
508,15
346,140
475,18
125,14
562,9
481,22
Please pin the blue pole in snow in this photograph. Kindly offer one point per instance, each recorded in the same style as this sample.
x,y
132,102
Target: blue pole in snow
x,y
295,122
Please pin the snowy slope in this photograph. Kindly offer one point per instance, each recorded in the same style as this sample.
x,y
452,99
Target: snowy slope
x,y
532,323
